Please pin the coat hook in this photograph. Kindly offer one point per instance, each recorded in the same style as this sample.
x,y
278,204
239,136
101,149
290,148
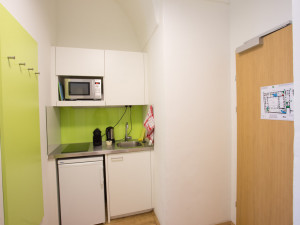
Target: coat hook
x,y
38,73
11,57
30,69
22,64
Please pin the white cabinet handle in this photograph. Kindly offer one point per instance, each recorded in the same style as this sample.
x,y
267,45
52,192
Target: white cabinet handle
x,y
101,177
117,159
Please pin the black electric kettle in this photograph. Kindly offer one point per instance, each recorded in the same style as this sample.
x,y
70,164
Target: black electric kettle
x,y
110,134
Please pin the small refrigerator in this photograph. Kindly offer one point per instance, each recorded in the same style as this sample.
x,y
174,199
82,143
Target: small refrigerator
x,y
81,191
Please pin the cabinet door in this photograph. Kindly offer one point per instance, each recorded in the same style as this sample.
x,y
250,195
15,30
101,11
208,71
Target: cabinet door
x,y
129,177
79,62
125,78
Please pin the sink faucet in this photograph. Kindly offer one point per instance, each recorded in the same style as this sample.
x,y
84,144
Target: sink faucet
x,y
126,135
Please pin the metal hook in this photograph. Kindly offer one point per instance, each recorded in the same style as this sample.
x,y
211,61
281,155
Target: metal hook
x,y
11,57
22,64
38,73
30,69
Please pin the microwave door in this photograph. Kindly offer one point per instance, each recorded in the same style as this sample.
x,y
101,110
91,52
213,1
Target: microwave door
x,y
78,89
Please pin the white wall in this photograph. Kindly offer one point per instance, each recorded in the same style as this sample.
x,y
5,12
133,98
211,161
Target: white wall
x,y
156,84
296,33
100,24
38,18
142,17
190,89
249,18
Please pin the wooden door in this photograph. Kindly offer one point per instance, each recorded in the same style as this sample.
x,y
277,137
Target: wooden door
x,y
265,147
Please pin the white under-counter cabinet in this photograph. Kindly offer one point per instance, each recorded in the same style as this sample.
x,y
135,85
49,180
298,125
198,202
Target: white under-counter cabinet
x,y
124,78
79,62
129,183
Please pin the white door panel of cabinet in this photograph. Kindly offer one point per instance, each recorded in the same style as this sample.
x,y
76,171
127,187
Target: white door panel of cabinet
x,y
125,78
129,183
79,62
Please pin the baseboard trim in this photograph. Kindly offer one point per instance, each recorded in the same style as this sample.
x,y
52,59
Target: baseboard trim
x,y
226,223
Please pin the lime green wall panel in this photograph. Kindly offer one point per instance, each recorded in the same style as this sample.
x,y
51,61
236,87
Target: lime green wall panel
x,y
19,125
78,124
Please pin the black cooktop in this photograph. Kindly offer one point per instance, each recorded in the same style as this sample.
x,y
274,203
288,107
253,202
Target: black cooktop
x,y
77,147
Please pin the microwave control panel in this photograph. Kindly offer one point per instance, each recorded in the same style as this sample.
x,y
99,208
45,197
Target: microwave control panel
x,y
97,89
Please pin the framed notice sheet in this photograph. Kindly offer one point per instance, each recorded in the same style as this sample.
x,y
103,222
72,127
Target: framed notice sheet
x,y
277,102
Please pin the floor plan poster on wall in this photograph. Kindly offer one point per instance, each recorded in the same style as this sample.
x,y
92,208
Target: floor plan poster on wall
x,y
277,102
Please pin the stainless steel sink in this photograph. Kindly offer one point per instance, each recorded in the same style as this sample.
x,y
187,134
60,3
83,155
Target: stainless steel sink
x,y
129,144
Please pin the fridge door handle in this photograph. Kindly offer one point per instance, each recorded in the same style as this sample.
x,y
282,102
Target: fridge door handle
x,y
62,164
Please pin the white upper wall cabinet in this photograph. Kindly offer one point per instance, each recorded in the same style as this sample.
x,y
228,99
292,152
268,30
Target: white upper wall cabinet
x,y
79,62
124,78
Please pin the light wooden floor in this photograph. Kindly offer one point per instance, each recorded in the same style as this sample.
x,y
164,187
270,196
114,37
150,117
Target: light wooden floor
x,y
141,219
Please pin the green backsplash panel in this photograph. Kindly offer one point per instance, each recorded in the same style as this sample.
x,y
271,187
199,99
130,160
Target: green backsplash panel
x,y
19,125
78,124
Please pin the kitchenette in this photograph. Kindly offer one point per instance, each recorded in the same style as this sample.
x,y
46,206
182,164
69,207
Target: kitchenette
x,y
100,134
80,82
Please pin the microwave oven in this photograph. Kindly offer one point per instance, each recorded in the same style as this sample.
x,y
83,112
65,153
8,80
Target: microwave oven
x,y
83,89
